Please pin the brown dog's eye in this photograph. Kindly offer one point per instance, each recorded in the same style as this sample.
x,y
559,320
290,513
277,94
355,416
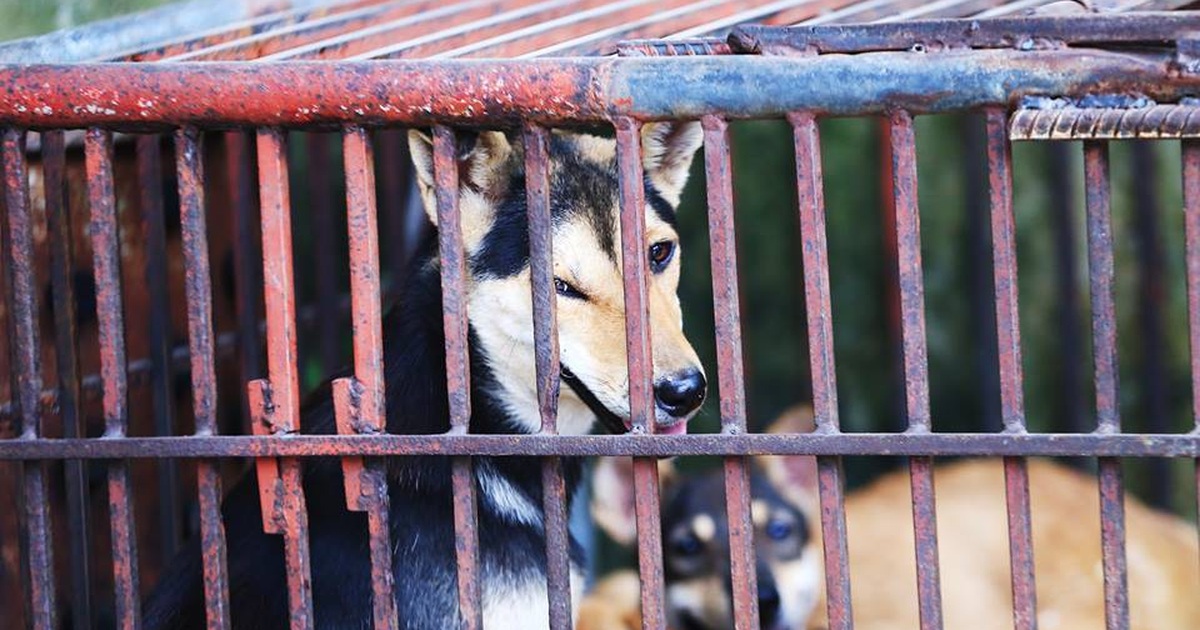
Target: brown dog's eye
x,y
660,255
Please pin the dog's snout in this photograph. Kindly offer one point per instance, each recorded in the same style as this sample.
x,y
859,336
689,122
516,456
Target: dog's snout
x,y
768,604
680,394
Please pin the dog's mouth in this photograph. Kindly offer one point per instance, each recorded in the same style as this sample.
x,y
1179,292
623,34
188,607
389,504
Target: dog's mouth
x,y
612,422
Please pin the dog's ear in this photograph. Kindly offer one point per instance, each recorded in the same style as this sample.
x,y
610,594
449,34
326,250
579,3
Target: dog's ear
x,y
612,504
794,476
667,152
483,167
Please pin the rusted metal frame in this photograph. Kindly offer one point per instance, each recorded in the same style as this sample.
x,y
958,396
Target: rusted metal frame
x,y
453,267
1151,307
775,13
1008,337
359,400
149,168
275,401
536,141
1104,344
26,382
238,146
890,297
916,367
641,372
718,171
585,89
893,444
189,171
66,342
324,233
106,260
1025,33
810,199
266,41
1073,121
1190,150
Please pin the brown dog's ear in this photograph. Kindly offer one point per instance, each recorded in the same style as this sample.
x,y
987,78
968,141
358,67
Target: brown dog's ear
x,y
612,504
483,167
667,152
794,476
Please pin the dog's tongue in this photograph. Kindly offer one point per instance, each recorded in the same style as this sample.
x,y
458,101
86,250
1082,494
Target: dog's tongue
x,y
679,428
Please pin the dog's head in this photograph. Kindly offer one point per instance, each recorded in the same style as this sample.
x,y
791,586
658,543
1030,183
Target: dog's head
x,y
695,534
587,271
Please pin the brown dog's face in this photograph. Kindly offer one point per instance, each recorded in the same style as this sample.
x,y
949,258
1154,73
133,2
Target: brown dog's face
x,y
587,269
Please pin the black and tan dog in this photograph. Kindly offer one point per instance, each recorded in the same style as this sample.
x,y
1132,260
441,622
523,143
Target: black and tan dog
x,y
1162,556
587,269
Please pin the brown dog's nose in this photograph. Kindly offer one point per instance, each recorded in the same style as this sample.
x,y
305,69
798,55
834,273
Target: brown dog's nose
x,y
681,393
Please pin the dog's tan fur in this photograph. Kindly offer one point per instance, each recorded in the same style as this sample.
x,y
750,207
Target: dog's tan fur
x,y
1162,551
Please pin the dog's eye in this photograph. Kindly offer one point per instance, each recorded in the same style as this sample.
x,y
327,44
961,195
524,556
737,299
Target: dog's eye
x,y
779,530
660,255
563,288
686,545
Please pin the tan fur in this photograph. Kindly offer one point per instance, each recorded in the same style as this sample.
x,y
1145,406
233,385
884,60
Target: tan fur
x,y
614,604
591,332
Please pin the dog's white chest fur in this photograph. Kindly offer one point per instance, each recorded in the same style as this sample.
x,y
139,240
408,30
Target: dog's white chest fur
x,y
524,605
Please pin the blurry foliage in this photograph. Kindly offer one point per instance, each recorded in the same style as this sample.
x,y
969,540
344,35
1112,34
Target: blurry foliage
x,y
23,18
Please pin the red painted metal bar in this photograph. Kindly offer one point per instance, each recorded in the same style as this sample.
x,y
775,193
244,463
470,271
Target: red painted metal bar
x,y
150,183
638,349
365,413
1104,348
546,357
106,259
66,344
453,259
25,362
810,197
723,251
584,89
280,411
1008,333
916,367
239,172
189,170
1191,226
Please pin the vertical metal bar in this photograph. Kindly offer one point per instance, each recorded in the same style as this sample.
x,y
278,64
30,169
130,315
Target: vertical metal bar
x,y
1104,347
546,357
368,380
189,170
458,376
637,345
66,341
916,367
284,408
723,251
324,230
1008,338
106,256
1151,306
26,376
982,314
246,260
810,196
149,165
1063,203
1191,226
891,281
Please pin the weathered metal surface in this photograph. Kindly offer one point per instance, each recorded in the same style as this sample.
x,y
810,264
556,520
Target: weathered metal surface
x,y
1190,150
718,170
545,90
1072,122
189,169
1008,333
1022,33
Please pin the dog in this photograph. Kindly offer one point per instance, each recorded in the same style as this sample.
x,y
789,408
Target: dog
x,y
588,281
1162,556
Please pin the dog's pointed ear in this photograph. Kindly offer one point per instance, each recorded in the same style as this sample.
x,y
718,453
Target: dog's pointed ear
x,y
483,164
667,152
794,476
612,503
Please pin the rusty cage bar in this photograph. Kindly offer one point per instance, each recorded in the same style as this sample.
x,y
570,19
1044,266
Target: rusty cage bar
x,y
1029,77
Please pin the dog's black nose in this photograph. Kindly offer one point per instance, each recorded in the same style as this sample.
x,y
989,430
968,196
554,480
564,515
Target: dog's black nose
x,y
768,605
680,394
